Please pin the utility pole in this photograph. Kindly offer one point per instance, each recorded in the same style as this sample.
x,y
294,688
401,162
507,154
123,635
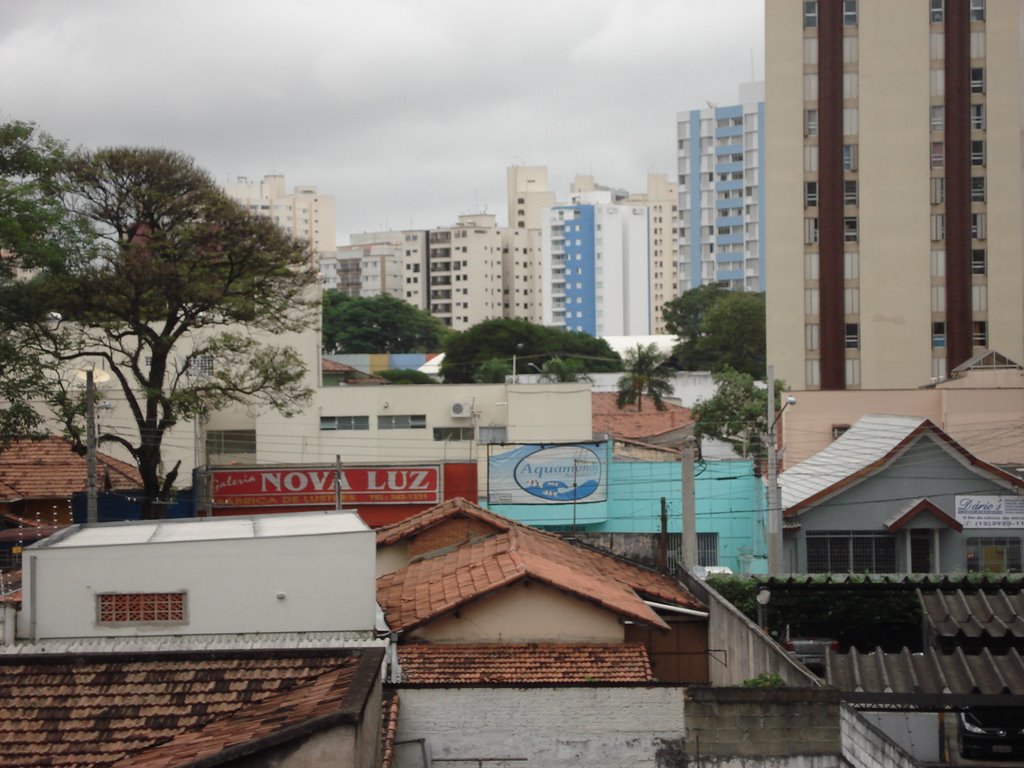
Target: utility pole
x,y
663,538
689,498
91,505
773,491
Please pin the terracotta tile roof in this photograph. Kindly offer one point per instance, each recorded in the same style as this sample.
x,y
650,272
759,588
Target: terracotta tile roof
x,y
453,508
388,728
431,587
45,469
166,709
630,423
536,663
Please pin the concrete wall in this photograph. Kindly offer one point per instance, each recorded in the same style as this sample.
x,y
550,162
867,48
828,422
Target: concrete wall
x,y
526,612
596,727
865,746
739,650
763,726
231,585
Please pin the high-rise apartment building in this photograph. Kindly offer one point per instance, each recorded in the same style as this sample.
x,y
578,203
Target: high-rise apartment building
x,y
595,266
304,213
371,265
527,195
662,201
894,180
721,196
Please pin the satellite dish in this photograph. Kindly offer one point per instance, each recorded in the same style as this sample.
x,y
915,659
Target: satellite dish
x,y
98,375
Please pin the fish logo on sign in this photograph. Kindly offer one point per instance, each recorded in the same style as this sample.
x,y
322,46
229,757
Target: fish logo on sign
x,y
561,473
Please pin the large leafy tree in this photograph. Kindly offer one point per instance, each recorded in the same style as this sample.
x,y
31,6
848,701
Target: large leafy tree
x,y
736,413
718,329
35,231
529,343
646,373
178,295
378,324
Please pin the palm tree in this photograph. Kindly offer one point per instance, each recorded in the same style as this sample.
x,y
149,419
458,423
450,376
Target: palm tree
x,y
646,373
559,369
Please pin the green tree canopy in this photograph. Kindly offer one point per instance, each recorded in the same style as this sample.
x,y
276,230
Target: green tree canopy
x,y
35,231
737,413
177,295
378,324
718,329
528,342
646,374
557,369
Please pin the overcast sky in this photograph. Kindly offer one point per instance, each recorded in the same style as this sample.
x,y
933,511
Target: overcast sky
x,y
406,111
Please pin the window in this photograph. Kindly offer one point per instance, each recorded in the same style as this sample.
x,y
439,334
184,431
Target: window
x,y
850,119
811,301
811,158
812,373
225,441
979,298
852,371
849,157
851,265
993,555
852,335
978,226
442,434
810,266
938,263
851,85
850,552
938,117
850,12
938,190
810,230
977,117
978,262
707,548
978,152
850,196
810,14
977,10
810,87
977,80
328,423
810,194
850,229
977,189
938,154
810,122
141,608
939,335
938,227
812,337
936,13
851,301
402,422
979,333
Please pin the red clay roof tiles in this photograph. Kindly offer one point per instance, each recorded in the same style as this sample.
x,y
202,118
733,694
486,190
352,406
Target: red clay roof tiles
x,y
524,663
636,424
431,587
48,468
164,709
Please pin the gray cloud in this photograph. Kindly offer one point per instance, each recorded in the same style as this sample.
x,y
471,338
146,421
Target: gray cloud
x,y
406,111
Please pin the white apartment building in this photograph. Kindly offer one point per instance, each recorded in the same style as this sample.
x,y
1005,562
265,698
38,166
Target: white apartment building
x,y
595,263
662,201
721,198
304,213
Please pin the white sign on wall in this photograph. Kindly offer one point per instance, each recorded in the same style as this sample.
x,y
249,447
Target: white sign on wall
x,y
548,474
990,511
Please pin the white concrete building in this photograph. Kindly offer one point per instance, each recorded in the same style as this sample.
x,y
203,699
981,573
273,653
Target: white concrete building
x,y
304,213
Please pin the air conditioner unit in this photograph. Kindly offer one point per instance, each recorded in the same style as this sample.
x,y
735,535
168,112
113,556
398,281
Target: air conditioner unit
x,y
462,410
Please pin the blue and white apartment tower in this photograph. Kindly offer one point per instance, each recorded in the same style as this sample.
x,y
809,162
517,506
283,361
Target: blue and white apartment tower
x,y
721,194
596,266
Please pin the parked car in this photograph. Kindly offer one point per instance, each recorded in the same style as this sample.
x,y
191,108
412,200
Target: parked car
x,y
991,732
810,651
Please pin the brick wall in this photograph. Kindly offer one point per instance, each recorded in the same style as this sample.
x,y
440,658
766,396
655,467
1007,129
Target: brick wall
x,y
450,533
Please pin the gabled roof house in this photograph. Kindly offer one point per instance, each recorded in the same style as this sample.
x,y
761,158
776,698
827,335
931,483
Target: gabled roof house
x,y
896,494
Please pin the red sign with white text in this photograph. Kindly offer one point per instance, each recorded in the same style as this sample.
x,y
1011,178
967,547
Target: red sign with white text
x,y
305,486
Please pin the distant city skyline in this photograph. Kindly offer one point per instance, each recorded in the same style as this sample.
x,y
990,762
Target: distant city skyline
x,y
407,113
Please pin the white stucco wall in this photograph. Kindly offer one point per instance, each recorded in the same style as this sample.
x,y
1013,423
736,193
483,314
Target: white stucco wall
x,y
586,726
325,582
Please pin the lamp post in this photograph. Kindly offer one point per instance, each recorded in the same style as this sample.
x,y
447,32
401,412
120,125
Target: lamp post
x,y
91,376
519,348
774,491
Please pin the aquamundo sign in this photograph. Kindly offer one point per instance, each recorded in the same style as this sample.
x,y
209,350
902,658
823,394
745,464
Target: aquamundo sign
x,y
548,474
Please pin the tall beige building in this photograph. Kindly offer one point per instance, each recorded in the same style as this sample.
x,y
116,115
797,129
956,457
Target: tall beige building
x,y
528,196
304,213
894,181
662,201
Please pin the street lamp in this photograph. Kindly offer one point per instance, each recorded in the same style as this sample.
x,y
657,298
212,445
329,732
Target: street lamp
x,y
773,490
519,348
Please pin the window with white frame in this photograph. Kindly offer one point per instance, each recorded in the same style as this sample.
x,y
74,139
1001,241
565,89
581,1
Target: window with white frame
x,y
810,14
402,421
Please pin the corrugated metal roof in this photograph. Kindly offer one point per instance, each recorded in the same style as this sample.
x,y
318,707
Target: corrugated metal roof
x,y
956,615
207,529
868,441
927,674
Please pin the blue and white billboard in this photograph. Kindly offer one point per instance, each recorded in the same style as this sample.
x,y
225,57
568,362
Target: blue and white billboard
x,y
548,474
